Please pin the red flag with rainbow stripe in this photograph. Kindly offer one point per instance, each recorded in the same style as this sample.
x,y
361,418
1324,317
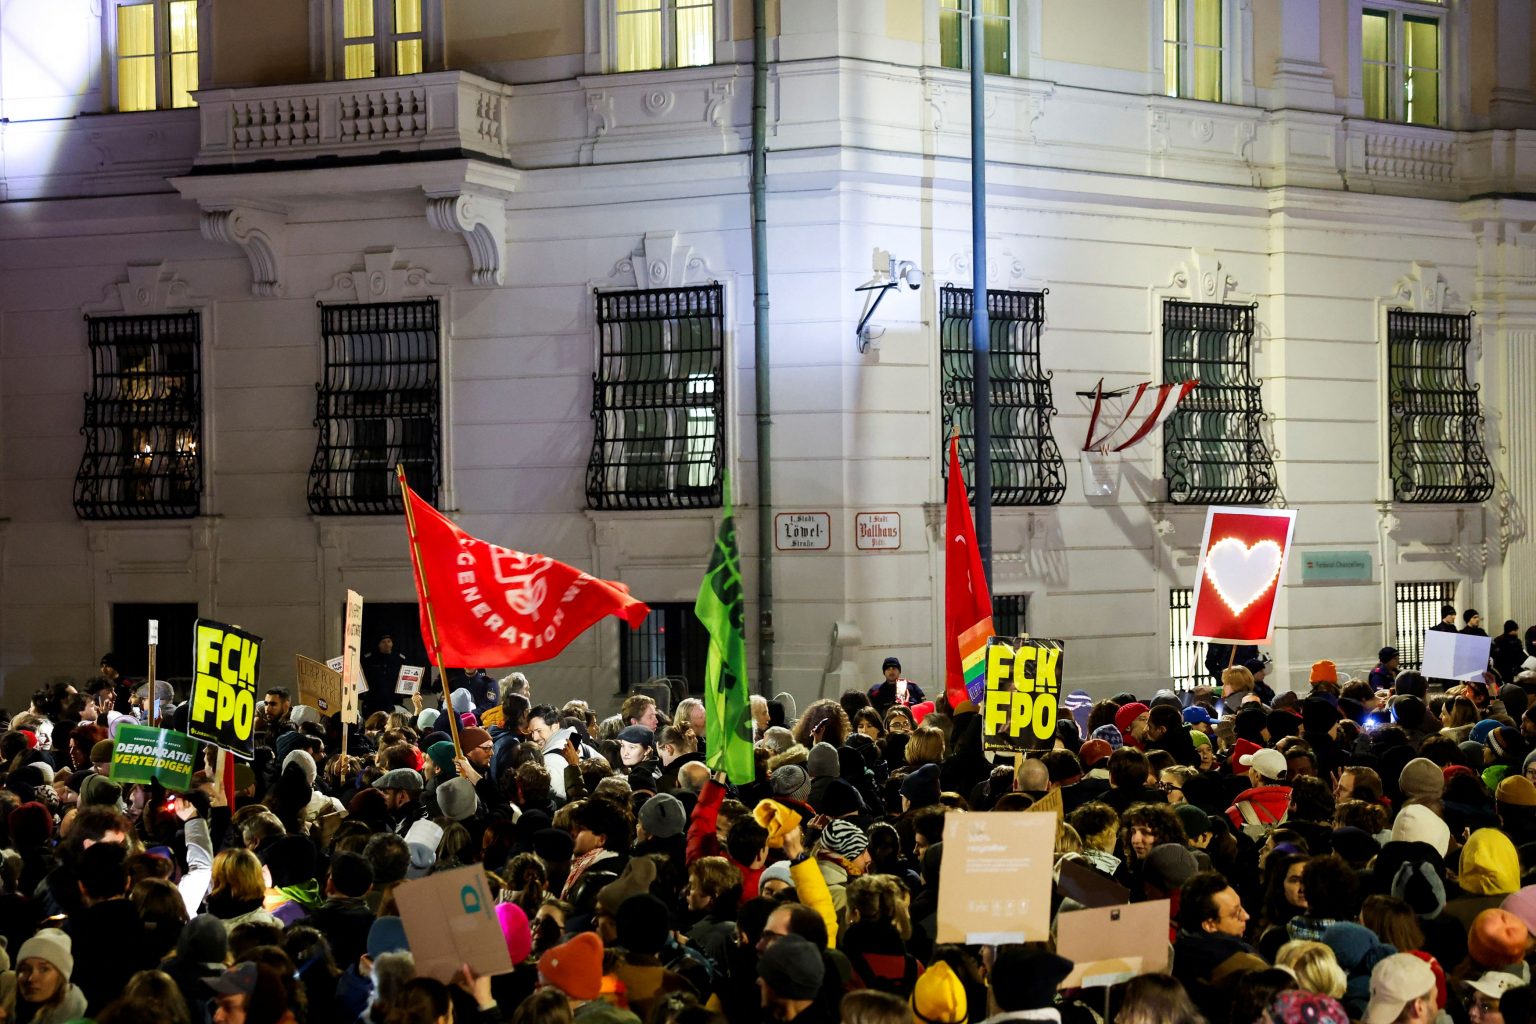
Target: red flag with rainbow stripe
x,y
967,605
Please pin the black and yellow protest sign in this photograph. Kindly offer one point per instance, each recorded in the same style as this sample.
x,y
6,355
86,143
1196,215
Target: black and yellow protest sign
x,y
227,662
1023,685
142,753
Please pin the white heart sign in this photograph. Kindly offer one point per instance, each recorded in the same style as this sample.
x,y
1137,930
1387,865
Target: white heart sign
x,y
1242,575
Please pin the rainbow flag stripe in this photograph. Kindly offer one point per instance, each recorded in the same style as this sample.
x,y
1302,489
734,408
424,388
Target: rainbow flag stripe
x,y
973,657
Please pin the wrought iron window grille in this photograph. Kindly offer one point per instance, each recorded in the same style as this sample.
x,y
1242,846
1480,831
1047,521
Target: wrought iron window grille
x,y
143,419
1435,425
379,404
658,399
1026,463
1186,657
1416,608
1213,447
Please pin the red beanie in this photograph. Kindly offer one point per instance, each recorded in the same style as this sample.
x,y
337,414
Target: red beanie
x,y
1128,714
31,824
1241,749
921,711
1441,992
1497,938
576,967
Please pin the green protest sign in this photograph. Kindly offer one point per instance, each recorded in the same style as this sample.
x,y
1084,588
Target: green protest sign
x,y
143,754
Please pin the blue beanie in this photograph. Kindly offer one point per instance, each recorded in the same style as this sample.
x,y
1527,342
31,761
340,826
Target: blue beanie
x,y
387,935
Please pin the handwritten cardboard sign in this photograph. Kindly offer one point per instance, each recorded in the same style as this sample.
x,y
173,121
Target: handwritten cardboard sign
x,y
351,657
450,920
995,881
319,685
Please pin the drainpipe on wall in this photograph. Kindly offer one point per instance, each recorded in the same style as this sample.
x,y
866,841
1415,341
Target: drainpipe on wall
x,y
760,346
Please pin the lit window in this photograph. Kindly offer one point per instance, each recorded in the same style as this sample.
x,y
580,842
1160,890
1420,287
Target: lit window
x,y
156,54
955,34
382,37
1400,62
1192,33
651,34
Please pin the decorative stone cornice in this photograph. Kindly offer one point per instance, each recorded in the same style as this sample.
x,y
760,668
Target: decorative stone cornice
x,y
259,234
482,220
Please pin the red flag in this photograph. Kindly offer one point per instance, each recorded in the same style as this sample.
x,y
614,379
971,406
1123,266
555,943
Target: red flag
x,y
496,606
967,605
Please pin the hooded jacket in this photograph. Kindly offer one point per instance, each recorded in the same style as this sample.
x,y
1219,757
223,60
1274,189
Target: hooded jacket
x,y
1261,805
1489,864
1358,951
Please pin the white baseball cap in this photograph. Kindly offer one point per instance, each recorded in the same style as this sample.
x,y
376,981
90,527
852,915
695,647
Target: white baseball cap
x,y
1270,763
1395,982
1495,983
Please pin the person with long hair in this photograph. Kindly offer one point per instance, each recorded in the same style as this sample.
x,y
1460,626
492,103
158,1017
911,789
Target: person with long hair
x,y
238,889
1157,999
1314,966
1284,899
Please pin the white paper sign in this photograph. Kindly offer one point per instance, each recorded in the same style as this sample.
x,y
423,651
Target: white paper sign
x,y
154,631
409,679
351,657
334,664
1455,655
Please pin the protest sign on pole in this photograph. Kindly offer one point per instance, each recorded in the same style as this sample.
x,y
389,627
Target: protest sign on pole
x,y
450,920
351,659
409,678
154,646
1110,945
1023,684
1238,579
226,661
1455,655
142,753
995,880
319,686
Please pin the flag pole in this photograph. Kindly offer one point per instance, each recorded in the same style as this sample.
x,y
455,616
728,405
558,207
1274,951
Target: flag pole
x,y
426,600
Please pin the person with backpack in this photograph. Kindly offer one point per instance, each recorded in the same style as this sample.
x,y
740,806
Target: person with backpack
x,y
875,941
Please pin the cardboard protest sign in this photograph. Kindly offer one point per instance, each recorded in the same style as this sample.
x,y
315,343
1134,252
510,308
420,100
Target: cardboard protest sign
x,y
143,754
1075,880
1109,945
1023,684
1237,583
226,661
319,686
1455,655
351,657
995,881
450,920
409,678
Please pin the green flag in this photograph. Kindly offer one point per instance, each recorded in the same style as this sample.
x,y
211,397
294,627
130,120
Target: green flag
x,y
728,710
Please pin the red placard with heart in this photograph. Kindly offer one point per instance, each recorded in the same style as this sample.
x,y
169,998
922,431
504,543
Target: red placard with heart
x,y
1242,563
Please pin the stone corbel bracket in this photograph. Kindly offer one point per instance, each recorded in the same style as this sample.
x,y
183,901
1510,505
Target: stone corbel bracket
x,y
482,220
260,234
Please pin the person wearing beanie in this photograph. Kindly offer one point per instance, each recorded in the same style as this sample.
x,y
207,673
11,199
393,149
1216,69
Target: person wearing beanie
x,y
921,788
843,855
1387,666
43,968
822,761
1418,824
456,798
201,951
439,763
1489,870
1324,673
1515,802
1472,623
1358,951
789,976
1422,782
893,689
1109,734
1024,980
939,997
643,925
575,968
662,817
1498,940
1131,720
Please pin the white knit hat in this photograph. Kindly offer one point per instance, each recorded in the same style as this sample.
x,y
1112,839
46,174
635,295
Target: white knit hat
x,y
51,945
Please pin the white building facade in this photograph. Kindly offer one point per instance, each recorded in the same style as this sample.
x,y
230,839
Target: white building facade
x,y
528,276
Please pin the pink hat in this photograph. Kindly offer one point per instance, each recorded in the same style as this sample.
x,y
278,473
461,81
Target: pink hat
x,y
514,926
1522,903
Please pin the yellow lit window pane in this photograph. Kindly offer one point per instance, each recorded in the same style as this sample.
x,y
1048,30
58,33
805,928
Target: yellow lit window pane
x,y
951,25
183,26
183,79
407,16
136,83
695,33
1375,91
995,34
357,19
136,30
637,32
1421,43
359,60
408,57
1422,95
1207,23
1207,84
1373,36
1171,69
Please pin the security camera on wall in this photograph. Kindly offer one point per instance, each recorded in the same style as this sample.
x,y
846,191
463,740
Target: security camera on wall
x,y
908,271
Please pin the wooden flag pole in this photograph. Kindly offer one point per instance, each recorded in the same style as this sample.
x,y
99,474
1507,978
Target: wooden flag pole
x,y
426,600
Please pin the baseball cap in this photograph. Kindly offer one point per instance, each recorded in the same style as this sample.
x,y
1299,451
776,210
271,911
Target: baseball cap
x,y
239,980
1493,984
1270,763
1397,981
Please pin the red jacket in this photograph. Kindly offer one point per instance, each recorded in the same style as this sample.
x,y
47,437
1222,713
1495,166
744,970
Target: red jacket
x,y
1263,805
702,841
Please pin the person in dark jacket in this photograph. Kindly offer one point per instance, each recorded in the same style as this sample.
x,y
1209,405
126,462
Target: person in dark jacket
x,y
381,668
1209,953
1508,652
1447,623
893,689
344,918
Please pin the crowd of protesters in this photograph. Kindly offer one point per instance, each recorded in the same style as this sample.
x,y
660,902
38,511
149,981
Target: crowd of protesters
x,y
1354,851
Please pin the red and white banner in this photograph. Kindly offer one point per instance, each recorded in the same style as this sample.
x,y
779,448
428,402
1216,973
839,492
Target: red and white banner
x,y
1242,563
1149,407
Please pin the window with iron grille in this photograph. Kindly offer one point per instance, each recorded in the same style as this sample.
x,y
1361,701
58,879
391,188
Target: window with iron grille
x,y
1026,464
658,399
378,405
1416,608
143,419
1213,452
670,641
1186,657
1436,426
1010,614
